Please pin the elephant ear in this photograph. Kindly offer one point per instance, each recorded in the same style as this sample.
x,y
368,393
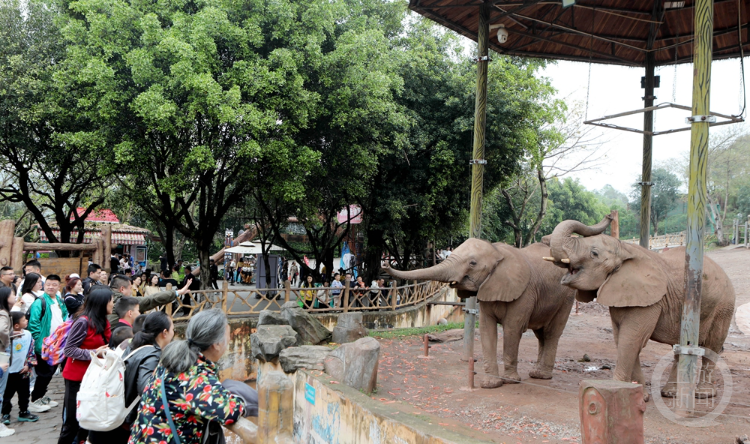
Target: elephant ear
x,y
508,279
639,282
546,239
585,295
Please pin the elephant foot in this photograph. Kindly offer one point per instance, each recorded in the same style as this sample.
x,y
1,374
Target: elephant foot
x,y
540,374
512,378
705,390
490,382
669,390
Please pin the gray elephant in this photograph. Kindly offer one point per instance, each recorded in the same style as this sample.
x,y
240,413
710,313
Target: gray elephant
x,y
644,291
515,288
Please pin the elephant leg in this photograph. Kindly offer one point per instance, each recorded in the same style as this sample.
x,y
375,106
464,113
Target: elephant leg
x,y
511,341
670,388
488,327
638,377
706,387
545,362
634,327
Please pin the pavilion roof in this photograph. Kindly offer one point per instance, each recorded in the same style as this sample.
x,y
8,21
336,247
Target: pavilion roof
x,y
619,32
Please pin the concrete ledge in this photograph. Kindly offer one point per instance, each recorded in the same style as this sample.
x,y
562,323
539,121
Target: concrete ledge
x,y
334,413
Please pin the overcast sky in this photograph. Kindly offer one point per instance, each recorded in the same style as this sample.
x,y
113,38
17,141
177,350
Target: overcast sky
x,y
615,89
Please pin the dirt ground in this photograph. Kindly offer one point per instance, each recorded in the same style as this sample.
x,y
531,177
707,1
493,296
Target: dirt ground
x,y
539,411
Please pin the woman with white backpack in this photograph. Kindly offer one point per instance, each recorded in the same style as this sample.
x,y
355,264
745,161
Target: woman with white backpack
x,y
90,332
142,357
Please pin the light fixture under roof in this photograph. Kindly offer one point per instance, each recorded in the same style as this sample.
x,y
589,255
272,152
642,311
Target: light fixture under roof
x,y
674,5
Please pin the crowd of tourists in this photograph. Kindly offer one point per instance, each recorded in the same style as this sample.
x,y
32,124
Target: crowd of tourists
x,y
51,325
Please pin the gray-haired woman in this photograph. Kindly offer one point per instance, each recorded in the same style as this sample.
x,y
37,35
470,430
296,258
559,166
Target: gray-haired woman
x,y
186,377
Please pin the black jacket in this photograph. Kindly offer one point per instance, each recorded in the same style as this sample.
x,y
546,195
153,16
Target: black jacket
x,y
87,284
139,369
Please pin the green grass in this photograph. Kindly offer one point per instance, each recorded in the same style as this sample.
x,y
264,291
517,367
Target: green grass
x,y
404,332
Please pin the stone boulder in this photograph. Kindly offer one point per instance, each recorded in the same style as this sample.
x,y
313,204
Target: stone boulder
x,y
349,328
268,317
311,330
310,357
270,340
355,364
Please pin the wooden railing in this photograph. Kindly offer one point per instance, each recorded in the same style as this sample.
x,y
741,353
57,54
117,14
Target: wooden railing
x,y
251,302
661,242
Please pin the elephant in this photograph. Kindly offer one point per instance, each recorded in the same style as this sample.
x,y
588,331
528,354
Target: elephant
x,y
515,288
644,291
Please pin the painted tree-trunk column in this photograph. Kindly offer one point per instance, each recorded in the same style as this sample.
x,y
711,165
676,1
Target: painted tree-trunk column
x,y
648,128
696,211
477,162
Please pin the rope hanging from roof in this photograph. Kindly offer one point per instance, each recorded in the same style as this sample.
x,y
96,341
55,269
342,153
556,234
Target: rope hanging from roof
x,y
742,59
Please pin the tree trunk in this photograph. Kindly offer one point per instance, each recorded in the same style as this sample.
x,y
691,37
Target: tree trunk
x,y
542,207
204,255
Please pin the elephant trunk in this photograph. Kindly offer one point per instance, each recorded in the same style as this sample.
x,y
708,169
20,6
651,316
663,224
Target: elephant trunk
x,y
562,240
441,272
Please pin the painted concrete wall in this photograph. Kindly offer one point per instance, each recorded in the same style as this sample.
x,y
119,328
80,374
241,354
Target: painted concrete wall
x,y
238,364
337,414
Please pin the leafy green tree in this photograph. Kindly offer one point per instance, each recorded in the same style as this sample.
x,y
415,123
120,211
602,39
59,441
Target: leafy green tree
x,y
49,161
571,200
664,195
197,99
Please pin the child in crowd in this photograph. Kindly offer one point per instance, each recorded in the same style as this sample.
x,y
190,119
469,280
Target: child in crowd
x,y
23,359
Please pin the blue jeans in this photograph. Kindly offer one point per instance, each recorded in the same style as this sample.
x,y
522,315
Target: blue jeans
x,y
3,383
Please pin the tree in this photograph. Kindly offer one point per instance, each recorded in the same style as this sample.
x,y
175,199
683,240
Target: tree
x,y
208,94
569,200
664,194
48,158
558,145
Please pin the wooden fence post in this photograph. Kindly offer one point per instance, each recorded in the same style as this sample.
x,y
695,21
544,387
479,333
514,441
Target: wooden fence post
x,y
394,295
614,226
347,283
168,307
16,259
287,291
224,295
7,231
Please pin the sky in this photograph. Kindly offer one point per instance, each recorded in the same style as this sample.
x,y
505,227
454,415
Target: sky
x,y
615,89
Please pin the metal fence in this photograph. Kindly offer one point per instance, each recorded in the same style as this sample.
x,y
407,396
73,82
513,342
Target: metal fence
x,y
252,301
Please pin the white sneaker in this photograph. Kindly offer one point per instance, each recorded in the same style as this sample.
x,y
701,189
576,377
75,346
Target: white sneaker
x,y
38,406
5,431
49,402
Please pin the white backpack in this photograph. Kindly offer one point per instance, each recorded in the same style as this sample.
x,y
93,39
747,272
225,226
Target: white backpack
x,y
101,398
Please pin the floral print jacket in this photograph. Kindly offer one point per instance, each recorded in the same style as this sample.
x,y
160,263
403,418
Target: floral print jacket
x,y
194,397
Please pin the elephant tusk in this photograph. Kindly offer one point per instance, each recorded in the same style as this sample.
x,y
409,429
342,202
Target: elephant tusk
x,y
551,259
565,261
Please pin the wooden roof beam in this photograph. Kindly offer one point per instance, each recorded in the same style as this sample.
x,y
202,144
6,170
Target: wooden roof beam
x,y
570,45
576,31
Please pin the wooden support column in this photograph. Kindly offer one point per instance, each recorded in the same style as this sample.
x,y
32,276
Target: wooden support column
x,y
477,162
696,211
16,260
648,126
107,238
7,232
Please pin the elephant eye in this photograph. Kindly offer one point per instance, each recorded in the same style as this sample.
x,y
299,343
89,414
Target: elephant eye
x,y
472,263
594,254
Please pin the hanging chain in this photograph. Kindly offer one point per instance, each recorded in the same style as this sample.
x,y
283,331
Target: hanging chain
x,y
591,48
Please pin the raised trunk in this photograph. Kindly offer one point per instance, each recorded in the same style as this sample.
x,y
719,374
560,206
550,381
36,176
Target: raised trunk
x,y
561,236
441,272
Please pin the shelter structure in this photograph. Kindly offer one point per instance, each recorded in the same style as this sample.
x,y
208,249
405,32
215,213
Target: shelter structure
x,y
636,33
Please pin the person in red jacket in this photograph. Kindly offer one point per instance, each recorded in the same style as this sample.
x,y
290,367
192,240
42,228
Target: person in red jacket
x,y
90,332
